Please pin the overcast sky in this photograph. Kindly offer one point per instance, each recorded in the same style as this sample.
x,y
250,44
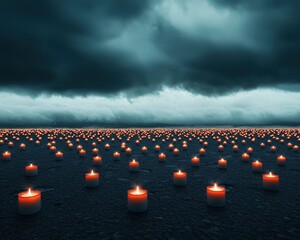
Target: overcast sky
x,y
149,63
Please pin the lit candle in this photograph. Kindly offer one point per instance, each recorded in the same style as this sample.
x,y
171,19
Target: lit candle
x,y
6,155
176,151
281,160
97,161
91,179
82,153
245,157
137,199
195,161
134,166
162,157
116,156
52,149
29,202
270,181
179,178
202,151
128,151
22,146
144,149
31,170
222,163
59,155
257,166
216,195
235,148
95,151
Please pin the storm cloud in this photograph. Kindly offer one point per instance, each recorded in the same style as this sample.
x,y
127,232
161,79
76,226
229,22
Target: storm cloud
x,y
138,47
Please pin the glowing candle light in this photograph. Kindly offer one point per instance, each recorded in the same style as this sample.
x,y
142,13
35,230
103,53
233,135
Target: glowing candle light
x,y
31,170
29,202
95,151
82,153
176,151
222,163
52,149
270,181
220,148
97,161
195,161
273,149
70,146
202,151
144,149
116,156
137,200
106,146
245,157
250,150
134,166
216,195
6,155
128,151
157,148
257,166
281,160
162,157
22,146
296,148
179,178
91,179
59,155
235,148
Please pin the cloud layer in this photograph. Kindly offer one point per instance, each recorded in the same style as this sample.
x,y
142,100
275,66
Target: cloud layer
x,y
169,107
137,47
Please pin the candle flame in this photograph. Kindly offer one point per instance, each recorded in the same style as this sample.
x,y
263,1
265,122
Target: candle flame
x,y
29,191
30,164
215,185
133,160
256,161
137,189
92,172
179,171
270,174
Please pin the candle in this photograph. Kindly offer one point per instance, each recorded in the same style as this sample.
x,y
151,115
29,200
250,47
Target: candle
x,y
134,166
95,151
270,181
281,160
137,199
59,155
6,155
195,161
216,195
176,151
273,149
245,157
29,202
128,151
157,148
202,151
222,163
179,178
257,166
97,161
91,179
116,156
107,146
220,148
162,157
235,148
52,149
31,170
144,149
22,146
82,153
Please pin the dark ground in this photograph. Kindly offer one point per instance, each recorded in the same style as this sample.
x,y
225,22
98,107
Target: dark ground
x,y
70,211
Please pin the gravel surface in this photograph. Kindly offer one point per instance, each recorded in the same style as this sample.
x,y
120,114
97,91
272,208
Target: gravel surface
x,y
70,211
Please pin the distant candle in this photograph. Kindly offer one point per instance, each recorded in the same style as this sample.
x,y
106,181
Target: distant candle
x,y
82,153
179,178
176,151
162,157
52,149
257,166
97,161
29,202
235,148
281,160
22,146
216,195
59,155
273,149
270,181
250,150
92,179
95,151
137,199
144,149
31,170
128,151
245,157
116,156
220,148
6,155
222,163
107,146
195,161
202,151
157,148
134,166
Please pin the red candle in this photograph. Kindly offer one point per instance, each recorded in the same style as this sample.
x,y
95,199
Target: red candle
x,y
245,157
220,148
281,160
235,148
52,149
95,151
6,155
202,151
97,161
273,149
31,170
134,166
116,156
22,146
162,157
29,202
157,148
137,199
176,151
270,181
179,178
144,149
195,161
82,153
128,151
222,163
107,146
91,179
216,195
257,166
59,155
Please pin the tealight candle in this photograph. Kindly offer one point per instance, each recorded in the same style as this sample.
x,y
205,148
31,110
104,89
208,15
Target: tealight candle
x,y
29,202
202,151
6,155
176,151
144,149
91,179
97,161
116,156
222,163
59,155
95,151
179,178
22,146
195,161
137,199
257,166
52,149
128,151
31,170
134,166
82,153
270,181
245,157
162,157
281,160
216,195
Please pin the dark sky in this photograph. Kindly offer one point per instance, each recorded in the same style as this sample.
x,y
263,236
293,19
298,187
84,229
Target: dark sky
x,y
119,51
